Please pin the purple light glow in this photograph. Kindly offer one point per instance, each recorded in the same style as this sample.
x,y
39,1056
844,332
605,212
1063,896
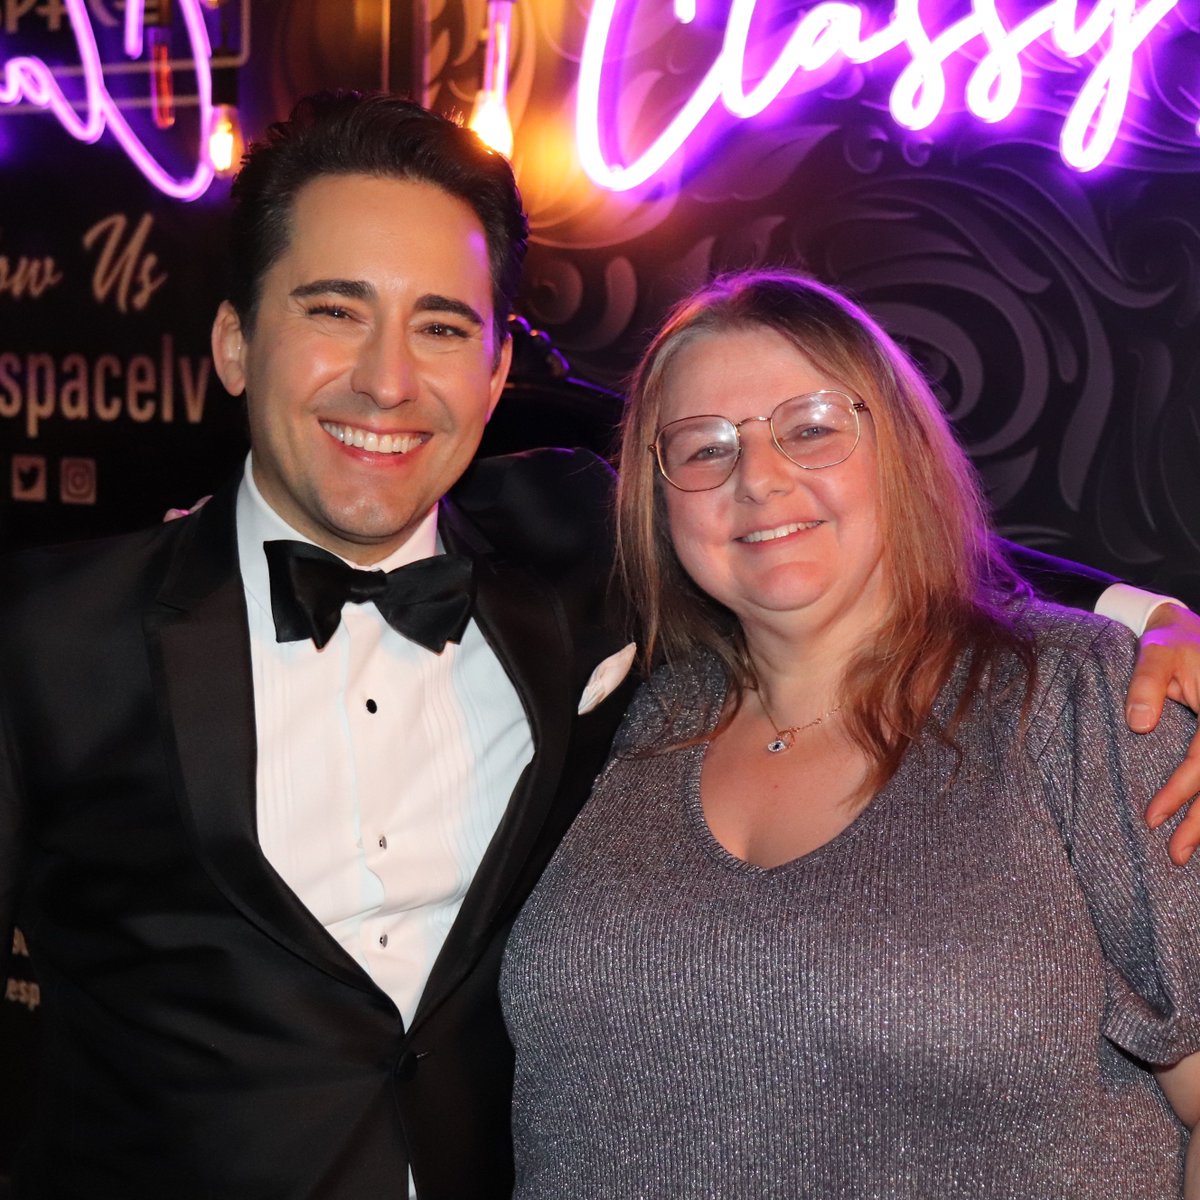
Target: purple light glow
x,y
832,33
30,80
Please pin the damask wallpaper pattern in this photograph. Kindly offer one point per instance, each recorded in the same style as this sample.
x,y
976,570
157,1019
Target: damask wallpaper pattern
x,y
1057,311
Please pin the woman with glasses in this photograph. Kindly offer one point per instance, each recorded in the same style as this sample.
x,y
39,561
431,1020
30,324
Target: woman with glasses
x,y
864,904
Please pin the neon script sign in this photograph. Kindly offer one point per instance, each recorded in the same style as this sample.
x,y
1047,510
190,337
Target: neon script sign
x,y
1110,34
31,81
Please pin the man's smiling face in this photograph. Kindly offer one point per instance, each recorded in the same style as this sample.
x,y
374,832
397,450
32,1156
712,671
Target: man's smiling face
x,y
373,365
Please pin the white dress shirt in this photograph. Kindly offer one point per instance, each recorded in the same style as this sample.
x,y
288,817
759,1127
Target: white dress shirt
x,y
383,768
1131,606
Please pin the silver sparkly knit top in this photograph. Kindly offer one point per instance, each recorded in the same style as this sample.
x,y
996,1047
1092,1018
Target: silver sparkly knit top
x,y
955,997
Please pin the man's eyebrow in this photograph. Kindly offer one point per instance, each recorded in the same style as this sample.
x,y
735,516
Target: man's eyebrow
x,y
350,289
445,304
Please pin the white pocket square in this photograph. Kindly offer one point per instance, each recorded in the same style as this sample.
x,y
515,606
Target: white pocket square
x,y
606,677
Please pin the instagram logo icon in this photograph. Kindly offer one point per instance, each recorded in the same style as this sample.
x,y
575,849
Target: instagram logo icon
x,y
77,481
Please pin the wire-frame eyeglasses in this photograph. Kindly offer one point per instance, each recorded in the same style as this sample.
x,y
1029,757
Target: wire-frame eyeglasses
x,y
814,431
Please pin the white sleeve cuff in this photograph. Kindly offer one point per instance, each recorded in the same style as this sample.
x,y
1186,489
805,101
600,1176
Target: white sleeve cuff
x,y
1131,606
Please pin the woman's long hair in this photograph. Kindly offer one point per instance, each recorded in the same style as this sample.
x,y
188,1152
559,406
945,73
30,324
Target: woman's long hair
x,y
948,589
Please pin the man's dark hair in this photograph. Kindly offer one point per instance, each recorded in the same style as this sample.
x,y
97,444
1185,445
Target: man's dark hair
x,y
349,133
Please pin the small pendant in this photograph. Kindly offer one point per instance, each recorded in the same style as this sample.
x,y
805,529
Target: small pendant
x,y
780,744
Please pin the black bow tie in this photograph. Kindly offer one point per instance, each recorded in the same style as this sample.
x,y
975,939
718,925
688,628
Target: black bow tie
x,y
428,601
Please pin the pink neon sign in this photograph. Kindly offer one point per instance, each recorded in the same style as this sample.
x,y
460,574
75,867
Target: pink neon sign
x,y
30,80
833,32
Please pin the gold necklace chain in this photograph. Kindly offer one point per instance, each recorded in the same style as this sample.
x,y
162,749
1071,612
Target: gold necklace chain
x,y
785,739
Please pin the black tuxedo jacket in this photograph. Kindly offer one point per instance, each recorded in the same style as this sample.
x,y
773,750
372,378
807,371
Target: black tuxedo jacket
x,y
204,1036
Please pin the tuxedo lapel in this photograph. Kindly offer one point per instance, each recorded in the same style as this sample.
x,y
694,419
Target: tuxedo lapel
x,y
521,620
199,644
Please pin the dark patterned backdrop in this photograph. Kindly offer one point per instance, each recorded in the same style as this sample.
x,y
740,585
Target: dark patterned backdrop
x,y
1055,310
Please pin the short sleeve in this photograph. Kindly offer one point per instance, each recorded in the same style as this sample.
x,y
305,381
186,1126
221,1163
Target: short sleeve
x,y
1101,776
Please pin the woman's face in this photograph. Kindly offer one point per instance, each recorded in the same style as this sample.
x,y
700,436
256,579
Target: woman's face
x,y
778,545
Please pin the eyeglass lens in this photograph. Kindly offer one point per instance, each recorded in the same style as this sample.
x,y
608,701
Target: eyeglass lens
x,y
813,431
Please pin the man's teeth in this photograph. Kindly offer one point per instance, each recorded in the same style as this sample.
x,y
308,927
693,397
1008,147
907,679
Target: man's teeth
x,y
362,439
768,535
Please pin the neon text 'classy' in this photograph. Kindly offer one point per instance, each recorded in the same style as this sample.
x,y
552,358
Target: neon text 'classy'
x,y
834,30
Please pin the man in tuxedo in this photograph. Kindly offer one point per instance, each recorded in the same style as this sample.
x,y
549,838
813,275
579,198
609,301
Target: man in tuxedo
x,y
276,778
266,849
